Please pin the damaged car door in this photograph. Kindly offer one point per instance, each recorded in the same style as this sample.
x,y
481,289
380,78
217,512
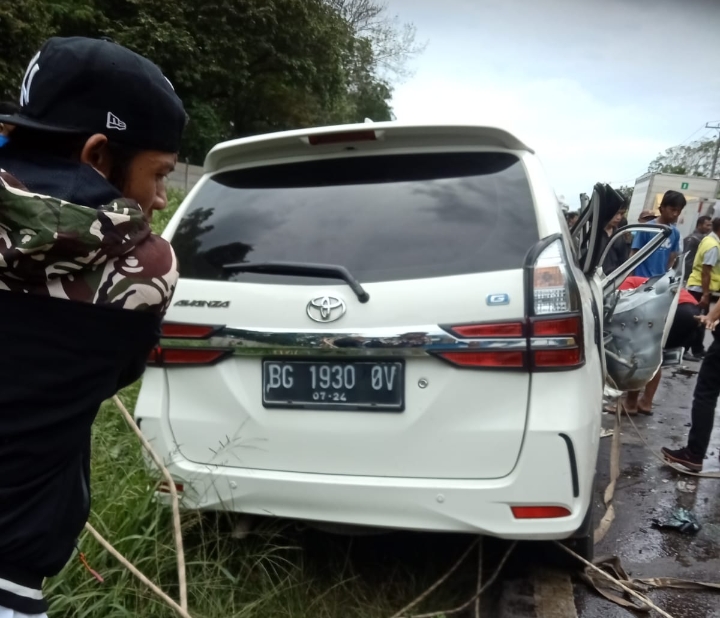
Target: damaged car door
x,y
635,323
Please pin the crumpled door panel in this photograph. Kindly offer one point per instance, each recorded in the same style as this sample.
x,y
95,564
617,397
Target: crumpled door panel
x,y
635,329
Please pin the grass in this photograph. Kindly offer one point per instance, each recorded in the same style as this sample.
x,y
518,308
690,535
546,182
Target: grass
x,y
281,570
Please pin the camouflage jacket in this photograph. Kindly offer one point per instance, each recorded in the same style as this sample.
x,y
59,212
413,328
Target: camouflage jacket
x,y
105,256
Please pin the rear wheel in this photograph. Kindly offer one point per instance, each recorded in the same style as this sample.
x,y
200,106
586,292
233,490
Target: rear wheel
x,y
582,542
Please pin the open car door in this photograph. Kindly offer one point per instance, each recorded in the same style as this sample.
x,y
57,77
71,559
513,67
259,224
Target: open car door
x,y
636,322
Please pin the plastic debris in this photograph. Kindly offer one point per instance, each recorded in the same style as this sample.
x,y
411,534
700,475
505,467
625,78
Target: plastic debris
x,y
681,520
688,487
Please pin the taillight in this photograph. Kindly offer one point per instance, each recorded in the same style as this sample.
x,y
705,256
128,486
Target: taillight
x,y
175,330
550,338
195,352
485,359
539,512
551,284
499,345
554,313
498,329
162,357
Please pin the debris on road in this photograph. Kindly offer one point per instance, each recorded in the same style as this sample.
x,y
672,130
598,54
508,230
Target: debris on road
x,y
681,520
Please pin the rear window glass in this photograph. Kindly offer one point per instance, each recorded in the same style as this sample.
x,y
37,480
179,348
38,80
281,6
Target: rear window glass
x,y
384,218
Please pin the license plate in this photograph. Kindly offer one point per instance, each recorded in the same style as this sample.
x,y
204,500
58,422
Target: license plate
x,y
337,385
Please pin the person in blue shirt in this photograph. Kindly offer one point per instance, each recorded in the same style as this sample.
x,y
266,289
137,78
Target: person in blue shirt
x,y
662,259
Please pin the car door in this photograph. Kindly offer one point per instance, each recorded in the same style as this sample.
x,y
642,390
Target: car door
x,y
635,322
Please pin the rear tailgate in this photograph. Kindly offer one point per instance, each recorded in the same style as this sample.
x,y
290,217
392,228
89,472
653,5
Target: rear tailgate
x,y
436,239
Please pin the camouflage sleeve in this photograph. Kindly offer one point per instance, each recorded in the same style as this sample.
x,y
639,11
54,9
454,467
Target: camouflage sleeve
x,y
104,256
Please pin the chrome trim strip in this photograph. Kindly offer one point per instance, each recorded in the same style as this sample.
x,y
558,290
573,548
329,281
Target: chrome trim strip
x,y
552,343
416,341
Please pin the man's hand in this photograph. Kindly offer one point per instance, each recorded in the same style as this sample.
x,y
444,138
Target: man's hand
x,y
710,320
704,302
707,321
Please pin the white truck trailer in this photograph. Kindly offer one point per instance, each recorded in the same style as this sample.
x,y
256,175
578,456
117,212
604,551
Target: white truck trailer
x,y
700,194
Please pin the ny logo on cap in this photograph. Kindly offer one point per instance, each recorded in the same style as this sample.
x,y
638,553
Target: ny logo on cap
x,y
32,69
113,122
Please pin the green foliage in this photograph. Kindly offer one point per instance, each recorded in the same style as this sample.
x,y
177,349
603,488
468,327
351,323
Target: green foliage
x,y
242,67
695,159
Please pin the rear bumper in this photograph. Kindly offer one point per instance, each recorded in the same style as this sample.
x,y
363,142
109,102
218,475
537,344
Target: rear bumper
x,y
543,477
562,411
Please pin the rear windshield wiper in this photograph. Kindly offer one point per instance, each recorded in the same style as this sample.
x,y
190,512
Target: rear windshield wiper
x,y
300,269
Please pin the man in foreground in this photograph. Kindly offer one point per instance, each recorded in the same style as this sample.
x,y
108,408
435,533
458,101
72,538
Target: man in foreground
x,y
705,399
83,284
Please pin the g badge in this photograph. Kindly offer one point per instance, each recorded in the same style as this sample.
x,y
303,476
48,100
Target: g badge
x,y
497,299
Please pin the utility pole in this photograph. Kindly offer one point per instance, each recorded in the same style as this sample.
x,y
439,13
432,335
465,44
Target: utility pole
x,y
714,125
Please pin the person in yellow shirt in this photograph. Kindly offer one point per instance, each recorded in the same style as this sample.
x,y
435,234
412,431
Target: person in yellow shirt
x,y
705,278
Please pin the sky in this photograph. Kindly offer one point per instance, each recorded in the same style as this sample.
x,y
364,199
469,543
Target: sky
x,y
596,87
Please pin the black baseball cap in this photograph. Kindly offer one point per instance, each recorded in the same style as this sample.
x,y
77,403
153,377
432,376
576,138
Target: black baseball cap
x,y
86,86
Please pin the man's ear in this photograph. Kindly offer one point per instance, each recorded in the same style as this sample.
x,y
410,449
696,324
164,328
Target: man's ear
x,y
95,153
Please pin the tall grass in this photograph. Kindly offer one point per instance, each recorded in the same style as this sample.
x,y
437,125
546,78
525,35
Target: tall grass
x,y
280,570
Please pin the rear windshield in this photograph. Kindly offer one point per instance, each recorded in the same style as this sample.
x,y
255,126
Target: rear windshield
x,y
384,218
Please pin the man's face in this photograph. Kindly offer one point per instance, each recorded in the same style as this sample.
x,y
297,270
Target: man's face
x,y
670,214
145,180
705,227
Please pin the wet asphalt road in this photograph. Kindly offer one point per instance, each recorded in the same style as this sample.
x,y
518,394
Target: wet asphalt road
x,y
645,490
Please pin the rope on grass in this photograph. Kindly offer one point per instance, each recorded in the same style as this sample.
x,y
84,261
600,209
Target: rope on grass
x,y
182,608
131,567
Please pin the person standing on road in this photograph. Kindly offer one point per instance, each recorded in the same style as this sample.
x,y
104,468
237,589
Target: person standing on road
x,y
705,279
705,397
83,284
663,258
691,243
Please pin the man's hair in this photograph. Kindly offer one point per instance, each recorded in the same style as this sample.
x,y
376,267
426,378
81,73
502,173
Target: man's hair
x,y
716,224
674,199
8,107
571,214
701,220
69,146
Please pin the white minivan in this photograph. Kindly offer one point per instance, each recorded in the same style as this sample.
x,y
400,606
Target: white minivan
x,y
386,325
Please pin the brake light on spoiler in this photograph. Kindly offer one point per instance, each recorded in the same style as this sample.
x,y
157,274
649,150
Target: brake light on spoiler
x,y
183,352
549,338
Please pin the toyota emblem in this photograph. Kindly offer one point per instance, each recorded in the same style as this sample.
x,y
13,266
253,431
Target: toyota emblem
x,y
326,309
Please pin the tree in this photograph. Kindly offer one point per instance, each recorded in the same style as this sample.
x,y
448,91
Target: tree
x,y
241,67
24,24
695,159
394,43
626,191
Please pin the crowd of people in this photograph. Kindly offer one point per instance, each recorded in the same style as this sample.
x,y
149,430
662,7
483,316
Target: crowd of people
x,y
693,316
